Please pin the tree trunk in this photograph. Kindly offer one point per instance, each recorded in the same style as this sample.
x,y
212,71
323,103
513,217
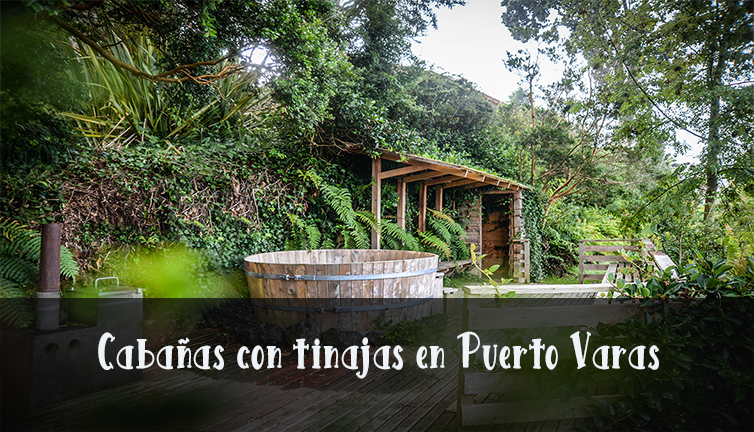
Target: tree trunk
x,y
533,125
712,156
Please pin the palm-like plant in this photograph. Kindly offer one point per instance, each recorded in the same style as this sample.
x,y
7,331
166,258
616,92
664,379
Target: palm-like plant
x,y
122,109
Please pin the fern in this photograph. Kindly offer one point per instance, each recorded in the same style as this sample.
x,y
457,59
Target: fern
x,y
447,236
440,230
448,222
19,270
356,225
397,238
340,201
327,244
305,235
737,247
435,244
451,232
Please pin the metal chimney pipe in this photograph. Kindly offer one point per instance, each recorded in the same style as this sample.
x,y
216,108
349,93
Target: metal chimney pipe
x,y
48,294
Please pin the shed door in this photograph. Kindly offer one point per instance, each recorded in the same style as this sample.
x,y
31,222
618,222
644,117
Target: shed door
x,y
496,229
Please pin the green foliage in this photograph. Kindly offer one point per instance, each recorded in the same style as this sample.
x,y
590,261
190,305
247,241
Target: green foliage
x,y
395,237
671,214
451,234
487,273
19,270
167,270
566,224
703,278
705,377
304,235
355,227
123,109
417,332
661,66
533,221
35,84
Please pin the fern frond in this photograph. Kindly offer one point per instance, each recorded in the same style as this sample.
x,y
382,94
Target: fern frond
x,y
15,309
390,243
327,244
20,248
435,244
18,270
315,236
305,235
440,215
461,249
441,230
340,200
448,222
361,237
68,266
19,240
348,240
368,218
399,237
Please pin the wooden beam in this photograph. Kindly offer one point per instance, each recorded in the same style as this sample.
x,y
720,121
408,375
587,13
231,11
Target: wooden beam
x,y
438,199
376,199
423,176
554,316
401,204
504,184
403,171
423,207
496,192
462,183
441,180
447,168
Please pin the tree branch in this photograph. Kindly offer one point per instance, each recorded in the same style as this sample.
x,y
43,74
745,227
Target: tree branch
x,y
163,77
646,94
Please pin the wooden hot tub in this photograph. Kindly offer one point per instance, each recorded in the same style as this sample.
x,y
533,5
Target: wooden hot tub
x,y
349,289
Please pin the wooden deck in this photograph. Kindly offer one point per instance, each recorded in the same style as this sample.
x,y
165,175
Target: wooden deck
x,y
286,399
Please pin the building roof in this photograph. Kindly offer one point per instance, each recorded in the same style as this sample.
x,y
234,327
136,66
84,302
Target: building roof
x,y
435,172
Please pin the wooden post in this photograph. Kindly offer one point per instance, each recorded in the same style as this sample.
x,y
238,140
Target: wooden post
x,y
401,216
438,199
527,261
48,294
463,399
581,261
517,228
423,207
376,199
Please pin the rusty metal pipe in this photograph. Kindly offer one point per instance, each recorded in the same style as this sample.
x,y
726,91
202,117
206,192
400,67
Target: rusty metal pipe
x,y
48,294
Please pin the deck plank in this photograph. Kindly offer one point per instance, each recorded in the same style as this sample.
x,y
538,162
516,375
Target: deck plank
x,y
292,399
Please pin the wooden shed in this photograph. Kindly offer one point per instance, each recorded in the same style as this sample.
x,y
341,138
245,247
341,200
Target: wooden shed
x,y
495,222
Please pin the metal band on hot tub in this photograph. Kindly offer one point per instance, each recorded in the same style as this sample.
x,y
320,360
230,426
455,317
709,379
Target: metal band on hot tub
x,y
342,309
340,277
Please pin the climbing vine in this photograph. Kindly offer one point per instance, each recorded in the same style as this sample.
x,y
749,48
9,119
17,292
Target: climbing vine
x,y
532,213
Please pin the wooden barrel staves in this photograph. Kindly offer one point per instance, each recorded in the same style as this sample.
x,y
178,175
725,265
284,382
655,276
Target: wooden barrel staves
x,y
348,289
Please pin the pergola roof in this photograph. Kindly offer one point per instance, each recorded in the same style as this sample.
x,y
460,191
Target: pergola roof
x,y
444,174
429,172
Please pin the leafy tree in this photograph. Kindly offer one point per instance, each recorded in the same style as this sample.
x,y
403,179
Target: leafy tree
x,y
35,85
661,66
194,46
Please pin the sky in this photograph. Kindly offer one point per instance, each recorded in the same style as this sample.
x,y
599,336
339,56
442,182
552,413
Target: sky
x,y
471,41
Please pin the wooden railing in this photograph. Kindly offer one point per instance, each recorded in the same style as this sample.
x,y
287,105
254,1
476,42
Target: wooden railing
x,y
600,261
537,319
520,269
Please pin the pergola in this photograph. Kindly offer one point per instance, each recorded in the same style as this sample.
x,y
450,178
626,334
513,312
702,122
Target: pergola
x,y
442,175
